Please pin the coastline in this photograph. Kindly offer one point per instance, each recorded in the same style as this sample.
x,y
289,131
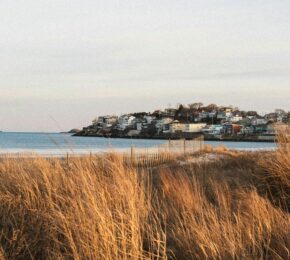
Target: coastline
x,y
227,139
115,189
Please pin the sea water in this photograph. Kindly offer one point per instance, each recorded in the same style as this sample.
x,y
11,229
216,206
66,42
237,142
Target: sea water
x,y
61,143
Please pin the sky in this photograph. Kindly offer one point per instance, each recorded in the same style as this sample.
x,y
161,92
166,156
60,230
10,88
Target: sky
x,y
64,62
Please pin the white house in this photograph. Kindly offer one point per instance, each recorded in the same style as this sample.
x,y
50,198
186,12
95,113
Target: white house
x,y
213,129
203,115
176,126
105,121
164,121
228,111
236,118
212,114
125,121
259,121
221,115
149,119
193,128
217,129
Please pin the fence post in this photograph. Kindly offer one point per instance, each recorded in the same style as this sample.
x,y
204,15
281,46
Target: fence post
x,y
67,159
184,151
132,153
200,143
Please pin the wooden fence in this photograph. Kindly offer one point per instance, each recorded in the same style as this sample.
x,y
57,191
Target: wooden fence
x,y
145,156
164,152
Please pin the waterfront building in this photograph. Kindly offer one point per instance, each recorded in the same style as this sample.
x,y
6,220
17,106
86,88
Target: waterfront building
x,y
193,128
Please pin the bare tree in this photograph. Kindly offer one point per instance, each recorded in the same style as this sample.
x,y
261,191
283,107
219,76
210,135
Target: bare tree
x,y
211,107
195,106
280,111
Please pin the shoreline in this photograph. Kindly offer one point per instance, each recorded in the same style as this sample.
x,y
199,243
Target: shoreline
x,y
64,194
89,154
252,140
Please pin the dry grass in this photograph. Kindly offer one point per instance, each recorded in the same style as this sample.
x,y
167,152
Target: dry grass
x,y
275,178
235,207
218,222
49,211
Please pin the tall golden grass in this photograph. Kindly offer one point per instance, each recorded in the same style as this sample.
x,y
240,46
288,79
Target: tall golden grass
x,y
274,179
233,207
89,210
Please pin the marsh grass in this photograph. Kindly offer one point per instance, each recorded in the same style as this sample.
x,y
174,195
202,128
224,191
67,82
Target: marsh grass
x,y
231,207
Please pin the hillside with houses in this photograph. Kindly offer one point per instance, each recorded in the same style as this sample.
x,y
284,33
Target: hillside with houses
x,y
188,121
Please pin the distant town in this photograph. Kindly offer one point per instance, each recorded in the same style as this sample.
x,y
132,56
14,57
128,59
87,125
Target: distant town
x,y
188,121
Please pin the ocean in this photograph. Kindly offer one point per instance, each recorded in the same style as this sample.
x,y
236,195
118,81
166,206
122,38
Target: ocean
x,y
62,143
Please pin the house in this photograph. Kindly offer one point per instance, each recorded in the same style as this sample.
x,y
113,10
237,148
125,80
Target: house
x,y
164,121
196,116
232,129
208,129
236,128
245,122
125,121
258,129
221,115
203,115
236,118
193,128
213,129
228,111
259,121
148,119
247,130
176,126
105,121
218,129
212,114
169,112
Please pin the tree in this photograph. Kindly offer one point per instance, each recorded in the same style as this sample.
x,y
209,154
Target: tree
x,y
211,107
195,106
252,113
280,112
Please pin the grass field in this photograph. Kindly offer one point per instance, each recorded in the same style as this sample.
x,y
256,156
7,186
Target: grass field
x,y
216,205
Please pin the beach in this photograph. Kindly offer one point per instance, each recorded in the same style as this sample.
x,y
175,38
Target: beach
x,y
214,203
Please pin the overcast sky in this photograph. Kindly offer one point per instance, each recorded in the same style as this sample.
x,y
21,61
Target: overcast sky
x,y
64,62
